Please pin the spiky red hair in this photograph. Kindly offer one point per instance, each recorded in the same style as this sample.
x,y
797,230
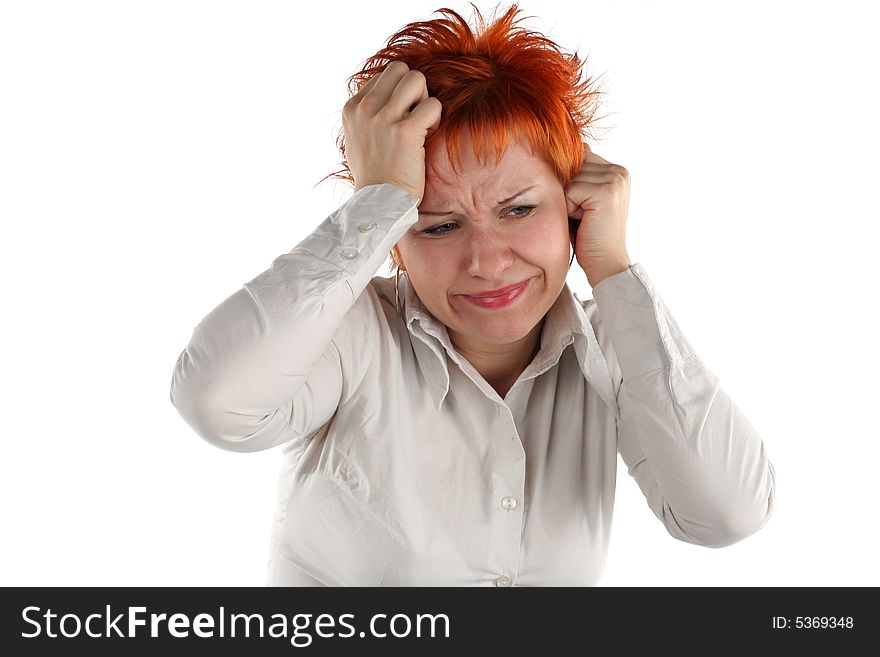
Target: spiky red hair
x,y
499,83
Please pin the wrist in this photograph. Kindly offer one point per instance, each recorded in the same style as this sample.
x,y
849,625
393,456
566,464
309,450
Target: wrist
x,y
600,271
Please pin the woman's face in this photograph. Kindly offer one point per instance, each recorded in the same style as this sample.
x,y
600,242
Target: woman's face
x,y
484,244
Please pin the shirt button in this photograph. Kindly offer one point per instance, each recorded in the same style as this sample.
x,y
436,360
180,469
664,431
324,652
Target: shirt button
x,y
508,503
502,581
366,228
349,253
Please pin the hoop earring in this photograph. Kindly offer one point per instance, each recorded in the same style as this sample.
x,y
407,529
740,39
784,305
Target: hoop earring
x,y
397,289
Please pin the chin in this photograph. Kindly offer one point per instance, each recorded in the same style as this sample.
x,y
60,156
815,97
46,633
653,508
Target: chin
x,y
502,325
501,330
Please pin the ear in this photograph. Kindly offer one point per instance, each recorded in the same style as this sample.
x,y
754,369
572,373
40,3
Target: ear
x,y
396,251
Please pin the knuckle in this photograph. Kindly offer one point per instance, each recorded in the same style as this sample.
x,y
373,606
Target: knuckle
x,y
404,130
370,104
398,64
398,130
355,101
384,113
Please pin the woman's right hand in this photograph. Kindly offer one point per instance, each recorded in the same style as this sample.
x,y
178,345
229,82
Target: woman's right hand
x,y
385,126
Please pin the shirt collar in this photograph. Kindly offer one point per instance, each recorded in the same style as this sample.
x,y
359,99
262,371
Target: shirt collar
x,y
565,323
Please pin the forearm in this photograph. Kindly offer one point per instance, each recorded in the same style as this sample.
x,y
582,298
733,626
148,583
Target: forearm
x,y
598,271
698,460
249,358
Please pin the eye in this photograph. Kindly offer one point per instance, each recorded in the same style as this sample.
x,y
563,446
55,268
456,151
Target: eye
x,y
436,229
441,229
529,209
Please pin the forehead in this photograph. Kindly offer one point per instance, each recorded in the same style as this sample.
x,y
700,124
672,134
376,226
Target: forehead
x,y
516,165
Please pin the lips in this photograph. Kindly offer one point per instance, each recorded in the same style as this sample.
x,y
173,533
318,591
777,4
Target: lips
x,y
496,293
499,301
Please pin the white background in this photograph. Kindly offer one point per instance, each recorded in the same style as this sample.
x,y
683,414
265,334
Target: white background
x,y
154,156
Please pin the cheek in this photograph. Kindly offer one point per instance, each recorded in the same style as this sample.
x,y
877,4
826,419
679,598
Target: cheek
x,y
551,237
425,261
433,273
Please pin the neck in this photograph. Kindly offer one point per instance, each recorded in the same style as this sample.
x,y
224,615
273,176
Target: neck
x,y
500,365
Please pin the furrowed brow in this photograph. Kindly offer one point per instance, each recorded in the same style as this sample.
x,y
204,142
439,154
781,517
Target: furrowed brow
x,y
507,200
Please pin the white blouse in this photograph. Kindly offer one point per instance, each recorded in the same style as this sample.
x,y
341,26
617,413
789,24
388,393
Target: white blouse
x,y
401,465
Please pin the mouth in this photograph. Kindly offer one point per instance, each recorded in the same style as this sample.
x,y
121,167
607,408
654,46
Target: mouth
x,y
499,298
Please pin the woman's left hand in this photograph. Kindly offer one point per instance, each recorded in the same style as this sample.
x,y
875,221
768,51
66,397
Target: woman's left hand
x,y
598,197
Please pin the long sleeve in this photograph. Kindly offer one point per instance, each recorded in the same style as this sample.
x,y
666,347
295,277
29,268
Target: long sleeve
x,y
698,460
272,361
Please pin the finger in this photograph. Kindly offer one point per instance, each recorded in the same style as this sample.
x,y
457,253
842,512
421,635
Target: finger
x,y
427,113
580,190
595,167
366,86
576,196
409,92
386,83
592,157
602,177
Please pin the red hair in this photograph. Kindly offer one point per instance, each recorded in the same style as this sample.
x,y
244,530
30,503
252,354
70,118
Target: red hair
x,y
498,83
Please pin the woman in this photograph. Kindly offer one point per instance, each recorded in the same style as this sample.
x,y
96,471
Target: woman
x,y
459,423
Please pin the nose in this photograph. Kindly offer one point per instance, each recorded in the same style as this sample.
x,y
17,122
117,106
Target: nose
x,y
488,255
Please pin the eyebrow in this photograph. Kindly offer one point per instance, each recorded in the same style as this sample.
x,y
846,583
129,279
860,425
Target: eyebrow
x,y
507,200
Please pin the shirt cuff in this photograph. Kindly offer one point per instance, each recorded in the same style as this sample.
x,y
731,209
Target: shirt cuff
x,y
644,333
358,236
